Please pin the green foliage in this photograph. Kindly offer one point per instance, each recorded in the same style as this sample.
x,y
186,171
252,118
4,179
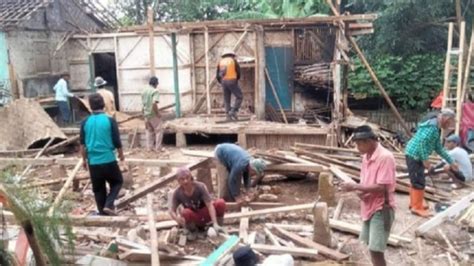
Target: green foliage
x,y
30,211
409,27
411,82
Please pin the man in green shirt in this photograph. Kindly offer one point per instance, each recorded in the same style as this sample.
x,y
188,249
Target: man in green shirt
x,y
153,121
426,140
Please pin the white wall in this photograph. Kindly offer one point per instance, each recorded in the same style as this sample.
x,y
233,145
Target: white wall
x,y
133,66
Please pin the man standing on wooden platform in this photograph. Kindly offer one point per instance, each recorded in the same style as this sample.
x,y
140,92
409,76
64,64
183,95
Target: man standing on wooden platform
x,y
418,150
99,137
198,209
233,165
61,97
376,190
153,120
228,75
107,95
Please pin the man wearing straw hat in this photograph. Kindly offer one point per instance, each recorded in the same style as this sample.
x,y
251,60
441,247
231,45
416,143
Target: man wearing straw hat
x,y
228,75
108,96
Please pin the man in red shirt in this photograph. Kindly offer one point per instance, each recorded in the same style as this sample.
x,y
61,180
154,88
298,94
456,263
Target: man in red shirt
x,y
376,191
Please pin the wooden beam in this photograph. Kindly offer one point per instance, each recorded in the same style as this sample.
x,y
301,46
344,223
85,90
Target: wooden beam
x,y
330,253
275,94
321,228
260,73
208,87
27,169
220,252
277,250
202,55
467,68
452,211
244,226
100,221
271,237
151,38
306,206
73,161
340,174
155,258
64,189
155,184
294,167
459,82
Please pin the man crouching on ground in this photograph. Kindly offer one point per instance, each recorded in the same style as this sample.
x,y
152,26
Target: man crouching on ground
x,y
376,191
198,209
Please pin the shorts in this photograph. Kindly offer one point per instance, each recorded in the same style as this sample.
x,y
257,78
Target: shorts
x,y
374,234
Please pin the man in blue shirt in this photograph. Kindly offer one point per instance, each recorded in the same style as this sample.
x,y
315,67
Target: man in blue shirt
x,y
239,165
61,97
99,138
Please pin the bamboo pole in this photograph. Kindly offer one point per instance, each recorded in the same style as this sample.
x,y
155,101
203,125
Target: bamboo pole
x,y
276,96
66,186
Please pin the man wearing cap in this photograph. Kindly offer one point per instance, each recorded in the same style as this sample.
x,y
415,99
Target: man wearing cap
x,y
417,152
61,97
228,75
108,96
153,121
198,208
376,191
461,157
237,164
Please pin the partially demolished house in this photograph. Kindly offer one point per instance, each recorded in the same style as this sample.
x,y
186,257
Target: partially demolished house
x,y
32,34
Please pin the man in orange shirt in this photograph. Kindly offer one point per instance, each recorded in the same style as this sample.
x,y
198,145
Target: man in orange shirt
x,y
228,75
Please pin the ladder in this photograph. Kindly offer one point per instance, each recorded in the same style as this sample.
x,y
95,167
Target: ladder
x,y
468,79
452,86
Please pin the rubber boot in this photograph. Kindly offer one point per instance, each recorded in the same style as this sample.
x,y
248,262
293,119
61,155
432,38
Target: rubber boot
x,y
417,206
426,207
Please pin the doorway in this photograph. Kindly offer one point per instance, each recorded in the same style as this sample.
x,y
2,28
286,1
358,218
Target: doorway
x,y
105,67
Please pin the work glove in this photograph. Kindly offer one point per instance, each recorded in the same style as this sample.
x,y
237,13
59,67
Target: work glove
x,y
218,228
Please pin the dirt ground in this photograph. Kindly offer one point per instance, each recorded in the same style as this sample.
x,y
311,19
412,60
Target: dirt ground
x,y
295,190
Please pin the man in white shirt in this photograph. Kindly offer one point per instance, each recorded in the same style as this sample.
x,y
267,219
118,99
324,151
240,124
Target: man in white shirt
x,y
61,96
461,157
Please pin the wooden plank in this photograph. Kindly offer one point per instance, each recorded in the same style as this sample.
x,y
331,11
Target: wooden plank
x,y
321,228
330,253
155,259
459,83
27,169
208,88
244,226
295,167
65,188
100,221
338,210
307,206
297,252
452,211
220,252
151,40
197,153
271,237
73,161
340,174
467,68
260,73
155,184
275,94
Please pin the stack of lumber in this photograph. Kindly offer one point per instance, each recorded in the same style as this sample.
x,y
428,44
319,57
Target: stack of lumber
x,y
467,218
317,75
331,157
